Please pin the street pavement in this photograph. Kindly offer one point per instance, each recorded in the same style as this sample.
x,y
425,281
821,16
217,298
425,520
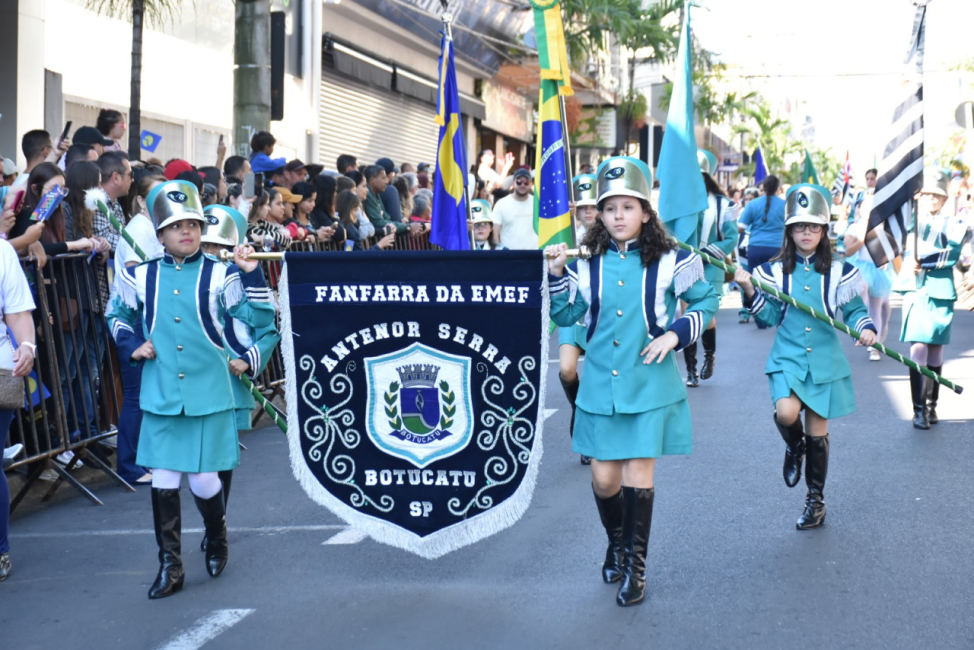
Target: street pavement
x,y
891,568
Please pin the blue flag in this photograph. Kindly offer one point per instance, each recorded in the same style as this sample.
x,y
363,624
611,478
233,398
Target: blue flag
x,y
149,140
448,229
682,194
760,171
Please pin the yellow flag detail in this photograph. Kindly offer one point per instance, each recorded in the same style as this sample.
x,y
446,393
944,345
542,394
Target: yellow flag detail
x,y
446,162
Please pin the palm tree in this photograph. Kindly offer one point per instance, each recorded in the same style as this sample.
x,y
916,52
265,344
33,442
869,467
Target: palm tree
x,y
139,11
770,133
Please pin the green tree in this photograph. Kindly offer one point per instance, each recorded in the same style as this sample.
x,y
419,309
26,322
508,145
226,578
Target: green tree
x,y
154,12
773,135
591,25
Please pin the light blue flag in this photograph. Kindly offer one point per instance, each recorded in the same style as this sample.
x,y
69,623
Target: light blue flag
x,y
682,194
760,171
448,228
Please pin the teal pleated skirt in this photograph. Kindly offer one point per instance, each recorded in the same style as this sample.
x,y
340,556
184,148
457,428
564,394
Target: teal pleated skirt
x,y
242,416
574,335
830,400
183,443
659,432
926,320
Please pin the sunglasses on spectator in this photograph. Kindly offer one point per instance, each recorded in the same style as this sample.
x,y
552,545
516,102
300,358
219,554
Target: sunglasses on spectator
x,y
523,181
810,227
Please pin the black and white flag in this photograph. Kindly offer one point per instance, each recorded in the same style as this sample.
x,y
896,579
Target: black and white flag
x,y
901,169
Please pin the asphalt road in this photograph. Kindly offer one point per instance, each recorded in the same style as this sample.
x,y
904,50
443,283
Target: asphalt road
x,y
891,568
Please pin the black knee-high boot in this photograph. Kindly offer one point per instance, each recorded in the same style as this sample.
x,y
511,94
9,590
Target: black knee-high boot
x,y
816,469
571,392
637,519
226,477
215,522
932,394
167,517
794,437
610,512
709,339
690,357
919,400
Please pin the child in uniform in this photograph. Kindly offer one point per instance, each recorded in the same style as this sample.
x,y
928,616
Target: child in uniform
x,y
807,368
632,406
718,237
249,348
571,339
187,396
926,280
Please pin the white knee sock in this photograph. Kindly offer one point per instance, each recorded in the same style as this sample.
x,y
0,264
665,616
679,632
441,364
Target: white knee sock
x,y
166,479
205,485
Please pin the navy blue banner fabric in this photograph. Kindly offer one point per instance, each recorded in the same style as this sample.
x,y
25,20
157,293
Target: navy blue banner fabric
x,y
415,387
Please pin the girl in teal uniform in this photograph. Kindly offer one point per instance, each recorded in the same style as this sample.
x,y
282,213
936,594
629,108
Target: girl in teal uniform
x,y
632,406
926,281
806,368
571,339
187,394
249,348
717,228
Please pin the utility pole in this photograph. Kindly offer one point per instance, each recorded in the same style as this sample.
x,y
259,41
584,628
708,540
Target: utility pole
x,y
251,72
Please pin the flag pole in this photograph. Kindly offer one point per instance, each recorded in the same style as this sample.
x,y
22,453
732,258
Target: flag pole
x,y
447,19
568,162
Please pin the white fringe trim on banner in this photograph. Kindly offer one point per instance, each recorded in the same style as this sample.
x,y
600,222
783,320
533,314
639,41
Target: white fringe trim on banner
x,y
464,533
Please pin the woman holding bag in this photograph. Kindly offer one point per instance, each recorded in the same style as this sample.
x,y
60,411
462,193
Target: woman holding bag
x,y
16,303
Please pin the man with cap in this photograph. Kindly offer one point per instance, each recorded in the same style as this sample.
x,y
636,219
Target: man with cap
x,y
482,226
807,369
926,280
249,348
187,398
513,215
294,172
632,406
717,229
390,195
91,135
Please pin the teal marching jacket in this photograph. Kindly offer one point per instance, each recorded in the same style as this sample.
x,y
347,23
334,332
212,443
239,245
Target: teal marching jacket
x,y
624,306
187,389
806,357
253,345
718,234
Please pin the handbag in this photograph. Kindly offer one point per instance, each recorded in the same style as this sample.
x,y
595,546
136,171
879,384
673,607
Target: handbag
x,y
11,390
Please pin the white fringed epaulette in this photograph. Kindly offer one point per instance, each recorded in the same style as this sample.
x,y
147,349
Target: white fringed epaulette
x,y
686,273
233,291
125,288
849,285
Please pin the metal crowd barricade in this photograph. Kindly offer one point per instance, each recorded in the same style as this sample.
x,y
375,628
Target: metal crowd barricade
x,y
77,398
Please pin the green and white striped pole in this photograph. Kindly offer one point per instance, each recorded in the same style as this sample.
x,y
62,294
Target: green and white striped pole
x,y
842,327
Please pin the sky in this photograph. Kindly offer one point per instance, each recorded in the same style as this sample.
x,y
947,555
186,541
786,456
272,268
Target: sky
x,y
839,62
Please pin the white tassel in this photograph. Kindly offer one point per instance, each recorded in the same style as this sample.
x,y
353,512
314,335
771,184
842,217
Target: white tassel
x,y
688,275
126,293
97,199
233,291
849,288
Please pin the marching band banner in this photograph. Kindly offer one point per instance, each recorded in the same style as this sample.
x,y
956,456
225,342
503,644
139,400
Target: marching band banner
x,y
415,384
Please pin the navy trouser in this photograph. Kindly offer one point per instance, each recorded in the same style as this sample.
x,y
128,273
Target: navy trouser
x,y
129,421
6,417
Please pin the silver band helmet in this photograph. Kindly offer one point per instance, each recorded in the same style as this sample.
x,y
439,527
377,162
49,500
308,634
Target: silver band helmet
x,y
707,160
174,201
480,211
936,180
624,176
221,226
585,190
807,203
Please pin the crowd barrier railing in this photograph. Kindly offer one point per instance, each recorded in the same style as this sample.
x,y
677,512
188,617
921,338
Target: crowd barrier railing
x,y
73,396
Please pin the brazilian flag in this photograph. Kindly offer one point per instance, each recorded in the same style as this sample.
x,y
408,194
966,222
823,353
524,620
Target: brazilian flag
x,y
809,175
